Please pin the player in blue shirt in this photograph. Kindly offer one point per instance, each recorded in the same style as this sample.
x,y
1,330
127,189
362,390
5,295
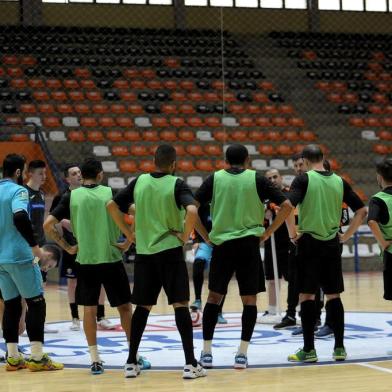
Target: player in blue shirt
x,y
20,275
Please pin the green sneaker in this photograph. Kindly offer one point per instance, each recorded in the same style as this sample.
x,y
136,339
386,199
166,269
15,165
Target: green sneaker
x,y
303,356
339,354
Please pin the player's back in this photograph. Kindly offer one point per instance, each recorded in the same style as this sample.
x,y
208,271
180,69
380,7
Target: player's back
x,y
13,247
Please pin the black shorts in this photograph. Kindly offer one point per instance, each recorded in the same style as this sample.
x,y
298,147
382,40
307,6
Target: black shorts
x,y
282,256
112,276
242,257
319,265
165,269
1,296
387,273
69,266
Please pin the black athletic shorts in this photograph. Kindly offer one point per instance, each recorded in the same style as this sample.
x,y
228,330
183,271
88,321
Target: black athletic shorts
x,y
112,276
387,273
69,266
242,257
282,256
319,265
165,269
1,296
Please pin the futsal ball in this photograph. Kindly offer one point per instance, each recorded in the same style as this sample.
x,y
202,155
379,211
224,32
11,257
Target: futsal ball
x,y
196,317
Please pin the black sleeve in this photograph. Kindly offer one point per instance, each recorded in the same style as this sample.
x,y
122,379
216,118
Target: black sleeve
x,y
351,198
183,194
55,202
267,191
124,199
204,193
62,210
378,211
298,189
23,224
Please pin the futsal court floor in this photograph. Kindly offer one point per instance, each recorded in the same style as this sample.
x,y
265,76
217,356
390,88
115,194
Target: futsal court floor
x,y
368,331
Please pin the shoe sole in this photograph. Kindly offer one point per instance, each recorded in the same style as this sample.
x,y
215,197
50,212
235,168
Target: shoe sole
x,y
339,359
206,365
97,373
305,361
287,327
132,376
240,367
323,336
14,368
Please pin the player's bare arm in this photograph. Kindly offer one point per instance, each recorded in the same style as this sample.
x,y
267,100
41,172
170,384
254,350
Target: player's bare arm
x,y
51,231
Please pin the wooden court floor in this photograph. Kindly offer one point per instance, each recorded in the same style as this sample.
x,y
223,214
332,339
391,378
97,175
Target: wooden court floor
x,y
363,293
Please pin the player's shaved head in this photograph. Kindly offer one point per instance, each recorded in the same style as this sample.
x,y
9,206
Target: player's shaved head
x,y
384,169
236,154
165,156
313,153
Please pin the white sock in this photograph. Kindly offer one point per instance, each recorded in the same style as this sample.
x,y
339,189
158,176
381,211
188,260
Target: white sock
x,y
243,348
94,353
207,344
36,351
271,309
12,349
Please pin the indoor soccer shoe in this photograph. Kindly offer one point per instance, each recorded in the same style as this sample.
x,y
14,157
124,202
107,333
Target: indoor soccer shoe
x,y
96,368
75,325
105,324
303,356
197,318
192,372
13,364
143,363
324,332
339,354
240,361
221,319
45,363
196,305
206,360
131,370
287,322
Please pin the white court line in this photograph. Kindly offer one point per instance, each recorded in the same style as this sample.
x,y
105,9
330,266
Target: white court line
x,y
374,367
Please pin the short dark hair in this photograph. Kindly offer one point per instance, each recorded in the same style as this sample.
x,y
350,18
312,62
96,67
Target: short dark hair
x,y
165,155
36,164
296,157
236,154
327,165
313,153
67,167
11,163
384,169
55,251
91,168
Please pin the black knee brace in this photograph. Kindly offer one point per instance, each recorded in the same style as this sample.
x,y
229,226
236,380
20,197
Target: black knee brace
x,y
35,318
11,317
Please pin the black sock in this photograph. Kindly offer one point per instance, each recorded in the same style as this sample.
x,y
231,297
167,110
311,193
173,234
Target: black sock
x,y
249,316
221,304
139,322
35,318
210,318
184,326
74,310
336,319
11,317
198,277
100,312
308,319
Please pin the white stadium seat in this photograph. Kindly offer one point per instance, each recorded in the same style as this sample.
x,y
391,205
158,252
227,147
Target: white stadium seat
x,y
57,136
110,166
251,149
204,135
279,164
288,179
259,164
194,181
101,151
116,182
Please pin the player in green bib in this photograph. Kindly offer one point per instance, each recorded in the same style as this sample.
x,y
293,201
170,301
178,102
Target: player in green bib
x,y
98,256
162,203
380,221
237,197
319,195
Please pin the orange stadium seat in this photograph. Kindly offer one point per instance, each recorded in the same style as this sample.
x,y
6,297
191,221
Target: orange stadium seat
x,y
169,109
82,72
15,72
187,85
71,84
120,151
76,136
176,96
53,83
87,84
137,84
263,122
385,135
128,166
274,136
187,109
254,109
270,109
229,97
147,166
95,136
132,136
148,73
82,108
195,121
186,135
237,109
373,122
257,135
180,150
290,136
168,136
51,122
121,84
124,122
381,149
139,150
100,108
184,165
118,108
88,122
213,122
298,148
135,109
284,149
46,108
107,122
76,95
246,122
195,96
19,137
211,97
131,73
18,83
239,136
204,165
387,121
177,122
194,149
213,149
65,108
357,122
221,135
94,96
150,136
59,95
160,122
170,85
220,164
28,108
115,136
36,83
308,136
266,149
266,85
41,96
376,109
296,122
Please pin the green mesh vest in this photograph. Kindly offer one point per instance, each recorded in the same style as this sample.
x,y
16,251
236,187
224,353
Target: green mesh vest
x,y
236,209
93,227
320,212
386,230
156,214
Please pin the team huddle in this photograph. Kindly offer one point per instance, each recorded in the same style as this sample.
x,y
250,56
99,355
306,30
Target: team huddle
x,y
226,214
